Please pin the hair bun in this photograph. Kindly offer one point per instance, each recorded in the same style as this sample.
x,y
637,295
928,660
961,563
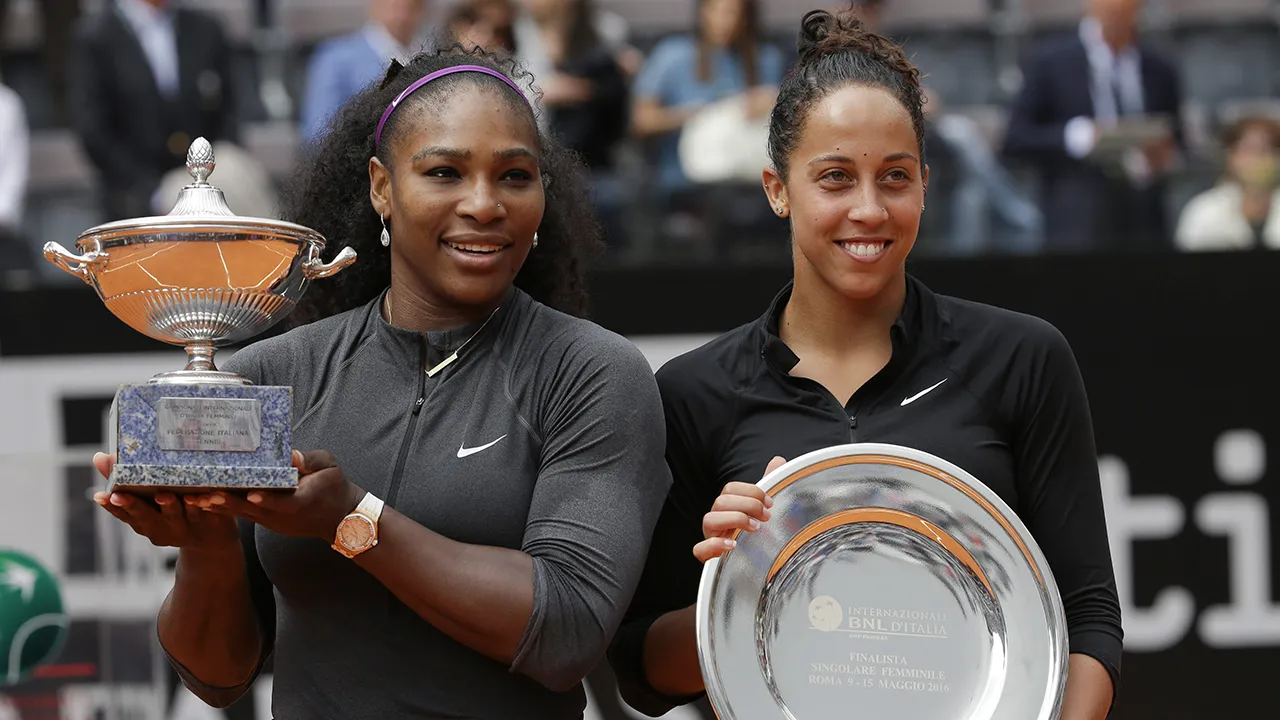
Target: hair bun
x,y
814,28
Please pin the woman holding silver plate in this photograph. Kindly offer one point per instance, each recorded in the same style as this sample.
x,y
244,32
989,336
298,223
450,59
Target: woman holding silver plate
x,y
490,465
855,350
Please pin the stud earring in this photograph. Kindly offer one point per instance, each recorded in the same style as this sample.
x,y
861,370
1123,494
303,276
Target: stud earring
x,y
535,239
921,208
386,236
780,210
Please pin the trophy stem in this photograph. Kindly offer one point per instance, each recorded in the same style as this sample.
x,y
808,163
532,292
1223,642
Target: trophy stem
x,y
200,369
200,358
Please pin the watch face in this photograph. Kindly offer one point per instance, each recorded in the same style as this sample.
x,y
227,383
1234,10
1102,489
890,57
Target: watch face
x,y
355,533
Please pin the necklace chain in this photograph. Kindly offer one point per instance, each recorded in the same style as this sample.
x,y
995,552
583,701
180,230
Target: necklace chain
x,y
454,355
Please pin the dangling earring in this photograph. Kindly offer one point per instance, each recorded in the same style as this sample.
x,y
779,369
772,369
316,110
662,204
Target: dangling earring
x,y
535,239
386,236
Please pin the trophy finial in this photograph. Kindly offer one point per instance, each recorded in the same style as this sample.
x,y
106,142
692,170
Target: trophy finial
x,y
200,160
201,197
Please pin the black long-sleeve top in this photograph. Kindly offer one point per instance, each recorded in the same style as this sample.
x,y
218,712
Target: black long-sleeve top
x,y
995,392
544,436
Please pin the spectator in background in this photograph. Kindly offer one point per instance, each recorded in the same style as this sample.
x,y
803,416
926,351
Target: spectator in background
x,y
869,12
15,256
148,79
585,93
584,90
1243,211
684,74
1077,92
611,30
486,24
342,66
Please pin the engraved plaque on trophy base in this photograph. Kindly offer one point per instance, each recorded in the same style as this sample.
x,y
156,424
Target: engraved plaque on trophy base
x,y
196,438
888,583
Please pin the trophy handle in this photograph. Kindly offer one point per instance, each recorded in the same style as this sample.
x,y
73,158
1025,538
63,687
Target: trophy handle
x,y
77,265
313,268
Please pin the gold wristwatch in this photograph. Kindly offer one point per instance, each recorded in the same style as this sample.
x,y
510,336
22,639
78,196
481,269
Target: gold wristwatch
x,y
358,531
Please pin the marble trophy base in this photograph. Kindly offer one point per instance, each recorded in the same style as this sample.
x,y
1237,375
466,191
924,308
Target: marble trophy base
x,y
200,438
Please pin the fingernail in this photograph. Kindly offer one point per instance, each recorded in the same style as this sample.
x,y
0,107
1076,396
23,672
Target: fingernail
x,y
754,524
255,498
767,513
730,543
768,501
297,457
218,500
117,500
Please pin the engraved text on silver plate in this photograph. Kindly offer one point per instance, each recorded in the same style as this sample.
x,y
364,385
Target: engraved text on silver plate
x,y
209,424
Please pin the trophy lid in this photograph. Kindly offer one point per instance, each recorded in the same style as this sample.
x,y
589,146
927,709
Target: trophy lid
x,y
201,210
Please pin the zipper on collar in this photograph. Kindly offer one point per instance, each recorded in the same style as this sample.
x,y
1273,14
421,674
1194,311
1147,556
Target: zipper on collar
x,y
393,491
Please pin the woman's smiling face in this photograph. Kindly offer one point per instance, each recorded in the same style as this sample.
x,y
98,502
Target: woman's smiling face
x,y
854,189
463,196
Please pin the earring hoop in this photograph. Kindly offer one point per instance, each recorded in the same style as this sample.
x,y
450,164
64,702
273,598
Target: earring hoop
x,y
386,236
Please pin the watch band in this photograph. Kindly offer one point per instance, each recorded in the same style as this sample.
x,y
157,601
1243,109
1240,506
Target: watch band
x,y
370,506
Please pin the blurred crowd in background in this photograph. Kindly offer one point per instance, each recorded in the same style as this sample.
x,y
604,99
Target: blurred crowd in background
x,y
1055,126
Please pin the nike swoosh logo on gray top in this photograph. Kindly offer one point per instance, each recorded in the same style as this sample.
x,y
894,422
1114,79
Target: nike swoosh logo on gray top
x,y
921,394
464,451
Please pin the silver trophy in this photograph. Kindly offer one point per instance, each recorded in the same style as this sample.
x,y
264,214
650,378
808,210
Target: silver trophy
x,y
888,583
200,277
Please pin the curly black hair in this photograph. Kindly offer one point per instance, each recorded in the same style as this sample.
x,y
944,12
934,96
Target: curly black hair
x,y
836,50
329,189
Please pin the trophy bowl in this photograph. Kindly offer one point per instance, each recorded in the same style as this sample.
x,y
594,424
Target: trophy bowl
x,y
200,277
203,278
888,583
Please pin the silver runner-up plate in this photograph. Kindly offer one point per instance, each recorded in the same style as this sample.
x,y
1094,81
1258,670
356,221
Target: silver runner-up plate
x,y
887,584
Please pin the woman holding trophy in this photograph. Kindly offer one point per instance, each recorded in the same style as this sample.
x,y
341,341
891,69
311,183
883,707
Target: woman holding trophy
x,y
854,350
468,537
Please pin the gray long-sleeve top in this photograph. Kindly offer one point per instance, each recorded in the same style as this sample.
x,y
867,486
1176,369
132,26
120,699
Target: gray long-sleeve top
x,y
546,435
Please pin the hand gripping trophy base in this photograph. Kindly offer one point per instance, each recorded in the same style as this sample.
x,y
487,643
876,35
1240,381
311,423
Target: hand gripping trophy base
x,y
200,277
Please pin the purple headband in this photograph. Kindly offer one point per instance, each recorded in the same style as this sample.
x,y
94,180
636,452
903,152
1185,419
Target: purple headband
x,y
377,136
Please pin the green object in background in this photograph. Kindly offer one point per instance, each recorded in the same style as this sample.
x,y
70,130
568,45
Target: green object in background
x,y
33,624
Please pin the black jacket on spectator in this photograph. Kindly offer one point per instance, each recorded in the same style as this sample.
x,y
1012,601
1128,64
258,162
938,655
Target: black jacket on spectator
x,y
594,127
131,132
1086,209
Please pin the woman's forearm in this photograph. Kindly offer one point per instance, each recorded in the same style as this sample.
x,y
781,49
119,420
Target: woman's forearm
x,y
1089,689
671,654
207,623
652,118
480,596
